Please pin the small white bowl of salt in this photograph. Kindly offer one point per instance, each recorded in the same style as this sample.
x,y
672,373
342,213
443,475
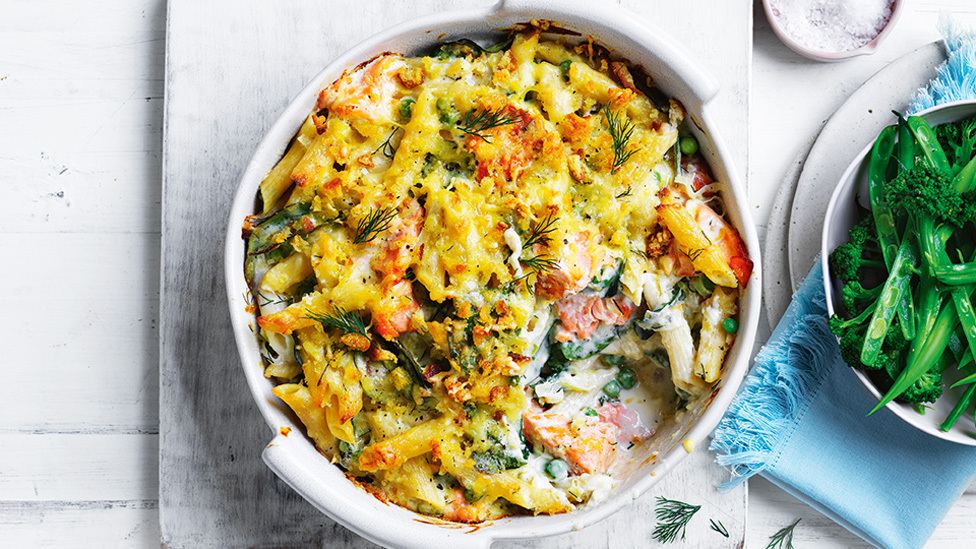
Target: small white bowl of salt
x,y
831,30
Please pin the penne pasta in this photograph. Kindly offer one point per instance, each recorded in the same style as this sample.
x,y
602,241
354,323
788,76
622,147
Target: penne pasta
x,y
470,267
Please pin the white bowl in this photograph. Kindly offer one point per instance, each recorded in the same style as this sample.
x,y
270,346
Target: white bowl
x,y
829,56
294,458
841,216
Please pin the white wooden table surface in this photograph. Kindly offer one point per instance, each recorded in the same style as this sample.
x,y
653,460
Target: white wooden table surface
x,y
81,97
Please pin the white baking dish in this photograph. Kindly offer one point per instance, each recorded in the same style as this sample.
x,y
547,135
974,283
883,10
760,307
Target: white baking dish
x,y
294,458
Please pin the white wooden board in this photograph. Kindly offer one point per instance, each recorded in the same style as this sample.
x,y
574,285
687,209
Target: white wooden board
x,y
230,71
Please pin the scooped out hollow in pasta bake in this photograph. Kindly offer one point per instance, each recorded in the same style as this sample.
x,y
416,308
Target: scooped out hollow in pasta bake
x,y
483,277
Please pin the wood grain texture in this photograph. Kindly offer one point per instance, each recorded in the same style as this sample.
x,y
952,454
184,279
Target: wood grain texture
x,y
229,73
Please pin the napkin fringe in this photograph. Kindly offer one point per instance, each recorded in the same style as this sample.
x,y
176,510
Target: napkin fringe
x,y
956,80
776,391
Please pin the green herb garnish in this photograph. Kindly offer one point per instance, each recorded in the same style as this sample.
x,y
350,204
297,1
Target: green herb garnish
x,y
264,300
475,122
783,539
620,133
719,527
539,232
672,519
348,322
540,263
377,221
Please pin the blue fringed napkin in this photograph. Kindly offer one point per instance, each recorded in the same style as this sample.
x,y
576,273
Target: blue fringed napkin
x,y
800,419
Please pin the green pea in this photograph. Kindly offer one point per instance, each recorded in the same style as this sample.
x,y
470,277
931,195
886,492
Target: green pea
x,y
406,108
613,360
612,389
557,469
730,325
564,66
626,378
688,144
590,412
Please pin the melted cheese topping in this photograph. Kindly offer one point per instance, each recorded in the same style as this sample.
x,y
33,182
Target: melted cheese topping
x,y
443,211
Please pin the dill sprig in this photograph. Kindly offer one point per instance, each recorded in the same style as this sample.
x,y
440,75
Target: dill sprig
x,y
540,263
539,232
783,539
475,122
719,527
695,253
387,147
620,133
264,300
672,519
377,221
347,321
515,282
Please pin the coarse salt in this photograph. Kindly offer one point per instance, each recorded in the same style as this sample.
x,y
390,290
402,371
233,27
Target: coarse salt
x,y
831,26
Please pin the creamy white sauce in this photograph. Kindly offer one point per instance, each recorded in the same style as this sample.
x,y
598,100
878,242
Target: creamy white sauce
x,y
664,320
514,242
658,289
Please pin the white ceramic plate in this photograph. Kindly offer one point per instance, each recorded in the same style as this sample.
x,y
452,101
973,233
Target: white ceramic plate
x,y
295,459
841,216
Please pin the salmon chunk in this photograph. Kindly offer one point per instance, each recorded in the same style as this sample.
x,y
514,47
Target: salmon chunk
x,y
587,449
580,314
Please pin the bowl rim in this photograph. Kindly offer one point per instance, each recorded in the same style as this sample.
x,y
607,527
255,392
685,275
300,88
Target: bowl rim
x,y
845,185
829,56
688,82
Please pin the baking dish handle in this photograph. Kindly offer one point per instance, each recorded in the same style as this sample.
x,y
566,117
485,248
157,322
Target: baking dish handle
x,y
294,460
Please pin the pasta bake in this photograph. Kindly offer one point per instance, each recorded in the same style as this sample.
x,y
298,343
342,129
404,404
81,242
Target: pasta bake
x,y
482,277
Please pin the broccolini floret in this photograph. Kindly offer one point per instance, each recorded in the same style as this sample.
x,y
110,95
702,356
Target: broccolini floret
x,y
851,261
855,296
927,388
958,140
928,191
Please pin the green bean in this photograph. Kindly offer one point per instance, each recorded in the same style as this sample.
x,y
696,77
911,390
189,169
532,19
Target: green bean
x,y
891,294
905,152
921,358
965,180
931,148
959,408
877,178
884,220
